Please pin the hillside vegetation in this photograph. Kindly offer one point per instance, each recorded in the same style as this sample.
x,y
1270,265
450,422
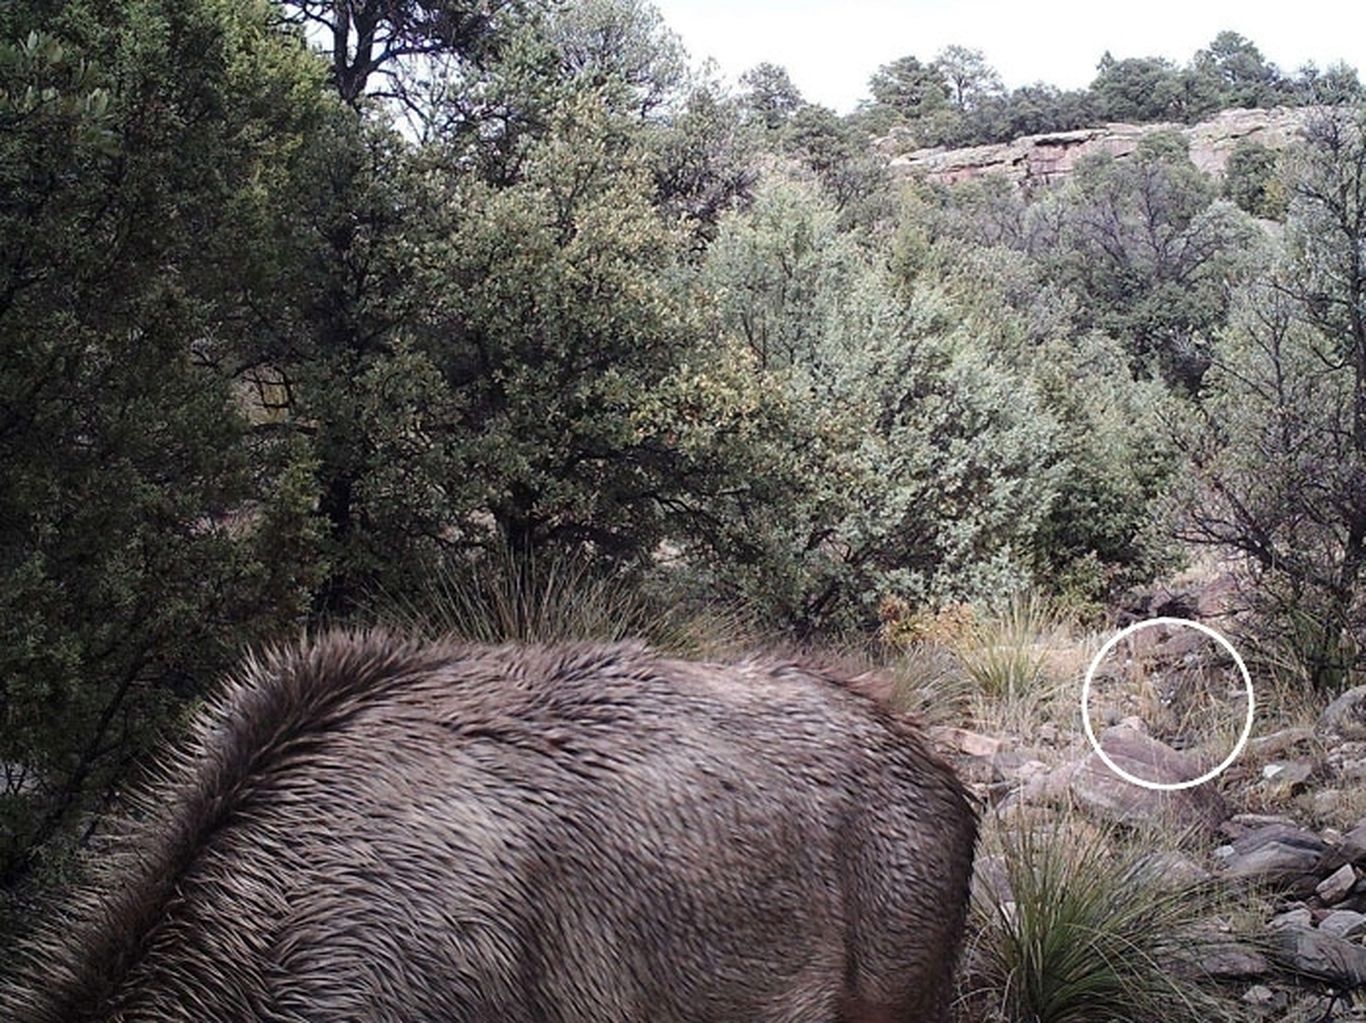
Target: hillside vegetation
x,y
308,319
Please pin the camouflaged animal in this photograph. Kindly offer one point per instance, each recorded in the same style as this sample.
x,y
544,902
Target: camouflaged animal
x,y
364,829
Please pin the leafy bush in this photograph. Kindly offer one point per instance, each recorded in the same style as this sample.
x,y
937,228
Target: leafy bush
x,y
1251,180
146,528
930,461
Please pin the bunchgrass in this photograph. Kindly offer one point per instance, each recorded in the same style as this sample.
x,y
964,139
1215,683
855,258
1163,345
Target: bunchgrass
x,y
1003,654
1084,934
497,596
930,683
1010,657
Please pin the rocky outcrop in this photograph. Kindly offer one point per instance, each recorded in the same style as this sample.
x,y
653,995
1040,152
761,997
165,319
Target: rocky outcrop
x,y
1042,159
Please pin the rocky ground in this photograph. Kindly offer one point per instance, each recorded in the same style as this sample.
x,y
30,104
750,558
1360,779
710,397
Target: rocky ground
x,y
1283,829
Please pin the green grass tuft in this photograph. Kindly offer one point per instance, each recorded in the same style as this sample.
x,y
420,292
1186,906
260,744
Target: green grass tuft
x,y
1085,935
497,596
1002,654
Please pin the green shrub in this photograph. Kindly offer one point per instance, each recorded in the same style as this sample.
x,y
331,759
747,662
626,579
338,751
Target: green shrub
x,y
1251,182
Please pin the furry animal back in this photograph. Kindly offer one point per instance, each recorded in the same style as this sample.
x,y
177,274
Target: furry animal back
x,y
367,830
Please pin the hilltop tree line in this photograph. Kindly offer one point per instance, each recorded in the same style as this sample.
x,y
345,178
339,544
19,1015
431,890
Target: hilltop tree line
x,y
957,98
304,305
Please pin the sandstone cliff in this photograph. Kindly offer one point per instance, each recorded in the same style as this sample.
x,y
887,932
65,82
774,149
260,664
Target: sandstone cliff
x,y
1040,159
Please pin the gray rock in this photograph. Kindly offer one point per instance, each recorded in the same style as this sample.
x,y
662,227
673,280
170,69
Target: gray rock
x,y
1105,794
990,882
1232,960
1260,995
1275,744
1344,923
960,740
1048,789
1261,820
1272,861
1337,885
1300,917
1354,844
1170,869
1282,854
1281,832
1321,956
1287,776
1345,716
1241,823
1016,765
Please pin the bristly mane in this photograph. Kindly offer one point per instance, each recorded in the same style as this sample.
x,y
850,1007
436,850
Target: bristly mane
x,y
273,727
267,713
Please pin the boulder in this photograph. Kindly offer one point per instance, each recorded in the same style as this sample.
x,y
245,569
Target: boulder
x,y
1283,832
1298,917
1278,742
1241,824
1051,788
1105,794
1274,861
960,740
1169,869
1233,961
1344,923
1337,885
1345,716
1354,844
1322,956
1276,852
1016,766
1285,777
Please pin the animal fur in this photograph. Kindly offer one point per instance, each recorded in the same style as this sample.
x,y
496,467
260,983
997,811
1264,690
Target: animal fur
x,y
367,830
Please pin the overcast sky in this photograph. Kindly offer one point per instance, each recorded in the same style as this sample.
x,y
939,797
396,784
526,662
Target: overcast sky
x,y
830,48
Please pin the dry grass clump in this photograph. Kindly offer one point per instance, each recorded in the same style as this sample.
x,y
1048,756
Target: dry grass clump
x,y
497,596
929,682
1004,653
1003,671
1021,660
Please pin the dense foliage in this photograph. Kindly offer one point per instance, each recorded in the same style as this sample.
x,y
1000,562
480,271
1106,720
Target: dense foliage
x,y
1277,451
957,98
287,333
145,529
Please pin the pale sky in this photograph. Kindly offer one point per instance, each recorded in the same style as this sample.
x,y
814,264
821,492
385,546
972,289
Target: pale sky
x,y
831,48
